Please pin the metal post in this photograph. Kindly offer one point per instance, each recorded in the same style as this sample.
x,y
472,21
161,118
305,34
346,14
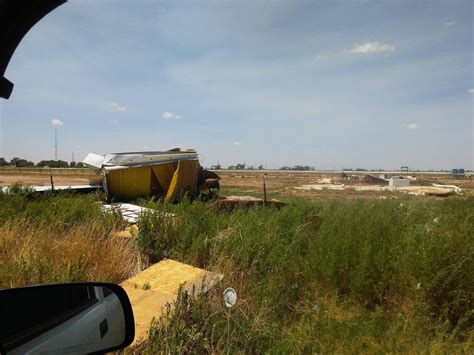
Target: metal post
x,y
264,190
228,331
51,178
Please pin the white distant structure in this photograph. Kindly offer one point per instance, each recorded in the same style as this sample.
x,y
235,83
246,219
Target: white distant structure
x,y
56,123
398,182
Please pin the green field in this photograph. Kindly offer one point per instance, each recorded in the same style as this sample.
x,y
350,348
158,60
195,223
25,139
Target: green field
x,y
316,276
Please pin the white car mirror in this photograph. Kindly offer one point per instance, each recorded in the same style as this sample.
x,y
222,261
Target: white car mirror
x,y
65,318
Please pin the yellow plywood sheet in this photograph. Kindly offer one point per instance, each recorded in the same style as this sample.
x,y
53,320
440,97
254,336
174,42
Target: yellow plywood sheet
x,y
153,288
164,174
129,183
184,179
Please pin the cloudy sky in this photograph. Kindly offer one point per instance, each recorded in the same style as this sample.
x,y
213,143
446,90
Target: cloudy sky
x,y
373,84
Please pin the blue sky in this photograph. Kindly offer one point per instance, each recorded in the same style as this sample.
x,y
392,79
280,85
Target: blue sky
x,y
331,84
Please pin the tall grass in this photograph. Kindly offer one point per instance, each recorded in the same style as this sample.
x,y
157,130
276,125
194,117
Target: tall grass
x,y
60,238
326,276
337,276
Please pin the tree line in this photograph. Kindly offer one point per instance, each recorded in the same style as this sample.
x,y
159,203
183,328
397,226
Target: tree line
x,y
23,163
260,167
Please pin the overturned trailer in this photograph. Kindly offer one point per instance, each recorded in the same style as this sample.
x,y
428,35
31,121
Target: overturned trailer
x,y
168,174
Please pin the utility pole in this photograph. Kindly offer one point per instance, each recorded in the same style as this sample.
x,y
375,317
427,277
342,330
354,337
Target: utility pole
x,y
73,156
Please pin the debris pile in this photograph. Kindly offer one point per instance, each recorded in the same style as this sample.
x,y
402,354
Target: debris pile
x,y
396,186
168,175
131,213
230,202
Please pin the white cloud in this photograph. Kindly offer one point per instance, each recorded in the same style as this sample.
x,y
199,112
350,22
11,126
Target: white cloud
x,y
449,24
371,47
171,116
55,122
236,143
412,126
471,91
112,106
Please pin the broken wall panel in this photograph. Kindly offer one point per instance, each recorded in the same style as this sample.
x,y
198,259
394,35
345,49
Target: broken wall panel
x,y
164,174
184,179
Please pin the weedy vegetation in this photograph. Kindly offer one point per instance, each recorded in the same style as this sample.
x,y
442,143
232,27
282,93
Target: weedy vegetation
x,y
60,238
316,276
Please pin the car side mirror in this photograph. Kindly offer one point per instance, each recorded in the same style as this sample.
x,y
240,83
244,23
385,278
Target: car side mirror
x,y
74,318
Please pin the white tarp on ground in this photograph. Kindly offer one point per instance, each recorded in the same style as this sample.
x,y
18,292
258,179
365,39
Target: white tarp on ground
x,y
37,188
321,187
131,213
414,190
453,188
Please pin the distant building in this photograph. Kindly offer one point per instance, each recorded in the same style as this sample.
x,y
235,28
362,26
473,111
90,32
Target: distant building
x,y
398,182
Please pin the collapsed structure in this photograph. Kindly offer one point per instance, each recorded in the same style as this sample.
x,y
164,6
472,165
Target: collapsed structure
x,y
169,174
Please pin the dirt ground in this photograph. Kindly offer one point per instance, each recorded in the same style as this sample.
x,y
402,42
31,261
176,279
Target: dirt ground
x,y
280,184
288,184
43,180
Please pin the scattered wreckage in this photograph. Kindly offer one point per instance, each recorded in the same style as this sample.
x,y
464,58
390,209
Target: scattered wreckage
x,y
394,184
167,175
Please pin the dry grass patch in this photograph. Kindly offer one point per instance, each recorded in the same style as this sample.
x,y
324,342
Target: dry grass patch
x,y
34,253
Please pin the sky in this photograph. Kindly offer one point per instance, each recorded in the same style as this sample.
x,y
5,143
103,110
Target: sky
x,y
330,84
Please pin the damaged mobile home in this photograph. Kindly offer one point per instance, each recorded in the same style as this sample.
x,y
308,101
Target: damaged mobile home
x,y
169,175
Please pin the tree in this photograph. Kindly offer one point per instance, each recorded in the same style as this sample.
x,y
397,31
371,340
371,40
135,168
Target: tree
x,y
260,167
72,164
53,164
21,163
3,162
79,165
14,161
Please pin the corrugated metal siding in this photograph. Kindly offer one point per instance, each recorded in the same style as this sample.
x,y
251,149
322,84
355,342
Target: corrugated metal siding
x,y
164,174
129,183
184,179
